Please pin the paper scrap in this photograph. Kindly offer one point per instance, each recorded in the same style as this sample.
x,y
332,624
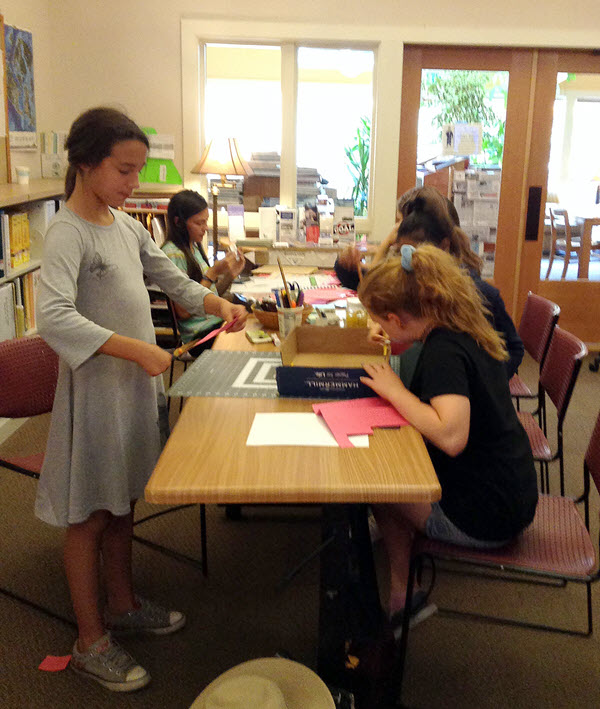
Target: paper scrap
x,y
54,663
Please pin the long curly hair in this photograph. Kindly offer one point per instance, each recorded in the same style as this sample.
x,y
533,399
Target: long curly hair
x,y
437,288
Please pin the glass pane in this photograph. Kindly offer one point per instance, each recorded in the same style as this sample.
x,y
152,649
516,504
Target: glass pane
x,y
334,114
243,101
570,251
460,145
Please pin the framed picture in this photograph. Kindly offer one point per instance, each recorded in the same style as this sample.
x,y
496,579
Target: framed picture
x,y
4,144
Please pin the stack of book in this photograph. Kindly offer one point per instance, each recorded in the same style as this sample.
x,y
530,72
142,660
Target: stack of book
x,y
232,194
17,305
15,244
308,179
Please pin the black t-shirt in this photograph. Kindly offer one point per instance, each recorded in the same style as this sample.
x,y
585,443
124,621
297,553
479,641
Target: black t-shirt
x,y
489,491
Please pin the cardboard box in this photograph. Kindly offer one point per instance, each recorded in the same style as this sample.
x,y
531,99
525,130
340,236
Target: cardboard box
x,y
326,362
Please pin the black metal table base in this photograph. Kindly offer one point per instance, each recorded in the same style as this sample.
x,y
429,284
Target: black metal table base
x,y
356,644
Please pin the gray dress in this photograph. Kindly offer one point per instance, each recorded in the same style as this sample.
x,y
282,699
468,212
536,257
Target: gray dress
x,y
109,418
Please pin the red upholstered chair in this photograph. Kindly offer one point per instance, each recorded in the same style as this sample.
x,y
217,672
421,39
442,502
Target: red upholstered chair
x,y
557,380
28,375
556,547
536,326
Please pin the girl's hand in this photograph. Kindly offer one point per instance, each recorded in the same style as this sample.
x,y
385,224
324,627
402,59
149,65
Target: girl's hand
x,y
382,380
235,263
154,360
229,265
377,334
229,312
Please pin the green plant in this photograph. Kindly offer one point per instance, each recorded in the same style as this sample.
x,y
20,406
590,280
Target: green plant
x,y
466,96
358,158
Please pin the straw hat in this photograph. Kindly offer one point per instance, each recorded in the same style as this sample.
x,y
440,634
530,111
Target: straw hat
x,y
266,683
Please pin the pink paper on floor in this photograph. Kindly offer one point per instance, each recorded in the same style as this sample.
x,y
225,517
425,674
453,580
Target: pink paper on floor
x,y
54,663
353,417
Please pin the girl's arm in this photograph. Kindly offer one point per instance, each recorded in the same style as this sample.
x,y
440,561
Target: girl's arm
x,y
151,358
444,421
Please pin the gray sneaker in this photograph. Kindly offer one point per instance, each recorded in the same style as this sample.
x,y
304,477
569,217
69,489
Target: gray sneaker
x,y
109,664
148,618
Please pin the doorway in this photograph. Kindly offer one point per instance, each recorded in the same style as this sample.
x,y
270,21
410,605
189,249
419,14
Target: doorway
x,y
527,80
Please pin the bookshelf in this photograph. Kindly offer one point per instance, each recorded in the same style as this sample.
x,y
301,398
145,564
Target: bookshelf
x,y
17,303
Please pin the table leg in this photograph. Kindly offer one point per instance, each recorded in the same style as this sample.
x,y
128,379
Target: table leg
x,y
584,252
356,645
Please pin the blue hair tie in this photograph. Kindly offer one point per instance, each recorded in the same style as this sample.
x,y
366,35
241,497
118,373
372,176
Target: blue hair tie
x,y
407,251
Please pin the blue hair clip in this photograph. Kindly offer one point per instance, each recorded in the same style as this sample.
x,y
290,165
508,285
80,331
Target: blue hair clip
x,y
406,252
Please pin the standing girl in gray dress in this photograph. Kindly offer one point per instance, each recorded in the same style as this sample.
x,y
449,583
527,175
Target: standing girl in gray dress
x,y
109,417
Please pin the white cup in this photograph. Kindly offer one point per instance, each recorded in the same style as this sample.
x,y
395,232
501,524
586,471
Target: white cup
x,y
22,174
289,318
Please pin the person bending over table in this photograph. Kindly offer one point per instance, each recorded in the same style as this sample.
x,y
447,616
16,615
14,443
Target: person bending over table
x,y
438,224
460,402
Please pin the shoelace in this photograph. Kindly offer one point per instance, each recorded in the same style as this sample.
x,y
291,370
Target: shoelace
x,y
115,658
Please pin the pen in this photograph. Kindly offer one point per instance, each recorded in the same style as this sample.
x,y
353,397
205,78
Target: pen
x,y
287,290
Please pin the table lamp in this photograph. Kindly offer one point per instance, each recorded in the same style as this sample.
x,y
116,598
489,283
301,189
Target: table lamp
x,y
221,157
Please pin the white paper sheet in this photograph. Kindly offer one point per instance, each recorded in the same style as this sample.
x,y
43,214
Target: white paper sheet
x,y
295,429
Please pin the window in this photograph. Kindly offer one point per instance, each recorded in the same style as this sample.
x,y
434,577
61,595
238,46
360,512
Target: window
x,y
361,70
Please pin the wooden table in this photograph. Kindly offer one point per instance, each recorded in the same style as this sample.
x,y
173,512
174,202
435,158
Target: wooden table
x,y
590,216
206,460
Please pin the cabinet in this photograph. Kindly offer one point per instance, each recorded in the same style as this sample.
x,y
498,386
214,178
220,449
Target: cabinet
x,y
18,284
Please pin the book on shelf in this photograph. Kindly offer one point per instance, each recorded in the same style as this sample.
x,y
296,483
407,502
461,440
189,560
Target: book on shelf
x,y
7,312
18,300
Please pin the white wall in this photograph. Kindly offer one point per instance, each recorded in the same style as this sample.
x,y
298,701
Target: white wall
x,y
127,52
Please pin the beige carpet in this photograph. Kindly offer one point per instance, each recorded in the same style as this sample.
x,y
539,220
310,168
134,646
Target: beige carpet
x,y
238,613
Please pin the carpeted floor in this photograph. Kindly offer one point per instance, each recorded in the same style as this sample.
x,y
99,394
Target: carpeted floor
x,y
239,613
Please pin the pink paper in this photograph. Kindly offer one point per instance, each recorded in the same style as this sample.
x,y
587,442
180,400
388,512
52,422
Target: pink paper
x,y
353,417
54,663
320,296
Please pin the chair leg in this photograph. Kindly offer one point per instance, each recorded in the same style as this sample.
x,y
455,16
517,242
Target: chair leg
x,y
203,540
400,660
566,266
37,607
183,558
550,261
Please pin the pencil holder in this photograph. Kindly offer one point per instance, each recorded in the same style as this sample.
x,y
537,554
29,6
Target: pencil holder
x,y
270,320
288,318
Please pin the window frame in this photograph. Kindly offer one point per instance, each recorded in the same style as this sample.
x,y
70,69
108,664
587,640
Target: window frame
x,y
387,79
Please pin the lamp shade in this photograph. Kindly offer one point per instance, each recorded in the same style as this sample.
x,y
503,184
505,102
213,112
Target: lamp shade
x,y
222,157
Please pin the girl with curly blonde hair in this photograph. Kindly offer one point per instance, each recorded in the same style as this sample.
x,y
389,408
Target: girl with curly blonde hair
x,y
459,401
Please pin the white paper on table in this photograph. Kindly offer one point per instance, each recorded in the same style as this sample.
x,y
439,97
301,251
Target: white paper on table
x,y
295,429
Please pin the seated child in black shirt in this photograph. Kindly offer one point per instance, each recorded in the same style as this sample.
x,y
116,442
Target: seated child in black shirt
x,y
459,401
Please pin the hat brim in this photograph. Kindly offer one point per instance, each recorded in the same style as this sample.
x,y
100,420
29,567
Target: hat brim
x,y
301,687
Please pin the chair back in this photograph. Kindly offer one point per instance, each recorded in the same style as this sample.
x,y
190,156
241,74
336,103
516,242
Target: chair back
x,y
28,376
537,324
561,369
561,226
